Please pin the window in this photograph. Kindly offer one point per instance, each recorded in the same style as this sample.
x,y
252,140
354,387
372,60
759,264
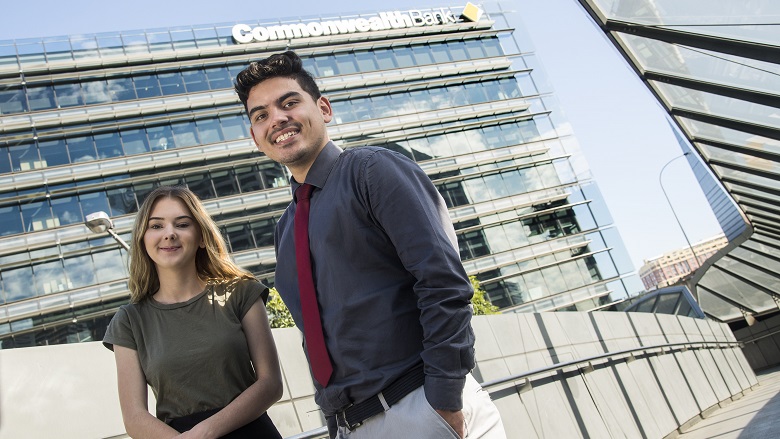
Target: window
x,y
53,153
170,83
12,101
195,81
208,130
81,149
18,284
40,98
10,220
68,95
184,134
96,92
135,141
37,216
218,78
160,137
108,145
24,157
66,211
234,127
146,86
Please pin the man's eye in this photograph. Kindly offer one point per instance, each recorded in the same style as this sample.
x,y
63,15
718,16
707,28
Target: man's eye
x,y
259,117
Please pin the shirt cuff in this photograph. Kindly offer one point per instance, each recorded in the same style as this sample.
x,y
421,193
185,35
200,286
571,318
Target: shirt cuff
x,y
445,393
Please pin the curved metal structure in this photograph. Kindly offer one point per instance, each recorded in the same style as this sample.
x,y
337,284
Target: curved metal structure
x,y
715,67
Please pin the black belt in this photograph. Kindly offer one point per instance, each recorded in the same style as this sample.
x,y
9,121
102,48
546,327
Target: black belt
x,y
354,415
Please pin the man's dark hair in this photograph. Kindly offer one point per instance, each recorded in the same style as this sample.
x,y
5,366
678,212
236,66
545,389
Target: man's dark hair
x,y
287,65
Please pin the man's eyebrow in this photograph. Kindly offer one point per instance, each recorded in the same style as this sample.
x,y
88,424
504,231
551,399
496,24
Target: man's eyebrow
x,y
281,99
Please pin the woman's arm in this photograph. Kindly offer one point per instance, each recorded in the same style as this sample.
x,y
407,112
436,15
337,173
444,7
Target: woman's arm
x,y
261,395
133,401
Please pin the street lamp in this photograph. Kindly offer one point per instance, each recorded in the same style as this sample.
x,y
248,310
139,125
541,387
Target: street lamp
x,y
99,222
661,182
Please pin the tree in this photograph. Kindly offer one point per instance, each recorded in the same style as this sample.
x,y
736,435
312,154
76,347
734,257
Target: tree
x,y
481,302
278,314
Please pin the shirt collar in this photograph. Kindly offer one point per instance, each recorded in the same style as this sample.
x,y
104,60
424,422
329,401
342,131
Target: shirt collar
x,y
320,169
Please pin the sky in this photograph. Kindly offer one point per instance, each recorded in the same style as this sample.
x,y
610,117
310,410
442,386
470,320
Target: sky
x,y
622,130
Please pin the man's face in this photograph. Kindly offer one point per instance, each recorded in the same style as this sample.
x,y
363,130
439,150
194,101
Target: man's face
x,y
287,124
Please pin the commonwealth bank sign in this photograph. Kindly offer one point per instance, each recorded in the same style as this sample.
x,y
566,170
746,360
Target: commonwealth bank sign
x,y
243,33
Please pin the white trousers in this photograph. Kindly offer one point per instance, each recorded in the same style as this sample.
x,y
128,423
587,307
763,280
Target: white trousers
x,y
413,417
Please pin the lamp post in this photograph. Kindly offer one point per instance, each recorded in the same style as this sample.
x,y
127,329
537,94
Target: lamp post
x,y
99,222
661,182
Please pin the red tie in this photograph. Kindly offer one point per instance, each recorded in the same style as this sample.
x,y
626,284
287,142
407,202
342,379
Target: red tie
x,y
312,325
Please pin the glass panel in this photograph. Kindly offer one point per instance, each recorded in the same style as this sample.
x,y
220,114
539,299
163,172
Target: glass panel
x,y
68,95
66,211
160,137
18,284
208,131
37,216
248,179
422,55
41,98
184,134
195,80
403,56
108,145
94,202
54,153
263,231
366,61
171,83
5,160
50,278
224,183
25,157
12,101
10,220
134,141
30,52
81,149
385,59
457,51
80,271
219,77
96,92
200,184
109,266
146,86
234,127
346,63
159,41
135,43
183,39
120,89
121,201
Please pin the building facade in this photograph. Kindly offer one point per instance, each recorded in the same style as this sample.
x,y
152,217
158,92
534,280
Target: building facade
x,y
669,268
93,123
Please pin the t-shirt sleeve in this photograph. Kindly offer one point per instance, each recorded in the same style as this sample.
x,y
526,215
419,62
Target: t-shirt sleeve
x,y
248,292
120,331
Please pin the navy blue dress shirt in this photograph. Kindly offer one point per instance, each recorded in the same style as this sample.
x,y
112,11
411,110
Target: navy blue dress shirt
x,y
390,284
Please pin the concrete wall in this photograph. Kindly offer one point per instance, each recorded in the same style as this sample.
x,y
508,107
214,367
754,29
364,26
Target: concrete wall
x,y
765,352
69,391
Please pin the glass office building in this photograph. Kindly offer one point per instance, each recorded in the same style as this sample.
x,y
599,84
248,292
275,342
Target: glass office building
x,y
92,123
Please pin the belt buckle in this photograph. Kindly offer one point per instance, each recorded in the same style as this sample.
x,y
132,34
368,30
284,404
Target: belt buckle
x,y
343,416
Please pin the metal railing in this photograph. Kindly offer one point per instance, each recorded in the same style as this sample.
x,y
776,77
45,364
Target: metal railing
x,y
587,363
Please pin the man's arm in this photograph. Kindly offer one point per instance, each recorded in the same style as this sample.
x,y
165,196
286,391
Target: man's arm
x,y
409,208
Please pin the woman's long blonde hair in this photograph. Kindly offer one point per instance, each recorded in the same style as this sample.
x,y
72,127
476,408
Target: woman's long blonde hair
x,y
212,262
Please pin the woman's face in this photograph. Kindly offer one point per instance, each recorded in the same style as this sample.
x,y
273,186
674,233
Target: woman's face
x,y
172,235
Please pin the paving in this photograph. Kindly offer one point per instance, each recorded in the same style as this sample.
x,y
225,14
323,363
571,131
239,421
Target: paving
x,y
755,416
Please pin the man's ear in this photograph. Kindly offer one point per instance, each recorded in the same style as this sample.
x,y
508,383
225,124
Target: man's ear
x,y
327,111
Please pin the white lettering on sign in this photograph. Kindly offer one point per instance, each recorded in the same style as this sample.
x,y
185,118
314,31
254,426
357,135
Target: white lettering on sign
x,y
243,33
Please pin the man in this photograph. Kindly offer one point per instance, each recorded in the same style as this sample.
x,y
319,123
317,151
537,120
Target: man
x,y
393,297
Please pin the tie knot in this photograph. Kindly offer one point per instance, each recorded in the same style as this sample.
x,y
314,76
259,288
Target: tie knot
x,y
304,192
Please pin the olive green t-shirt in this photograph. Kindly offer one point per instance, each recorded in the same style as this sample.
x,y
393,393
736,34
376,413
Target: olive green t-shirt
x,y
194,354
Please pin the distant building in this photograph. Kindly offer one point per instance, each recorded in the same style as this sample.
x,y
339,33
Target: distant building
x,y
667,269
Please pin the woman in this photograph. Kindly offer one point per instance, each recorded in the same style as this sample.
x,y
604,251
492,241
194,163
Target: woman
x,y
196,330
